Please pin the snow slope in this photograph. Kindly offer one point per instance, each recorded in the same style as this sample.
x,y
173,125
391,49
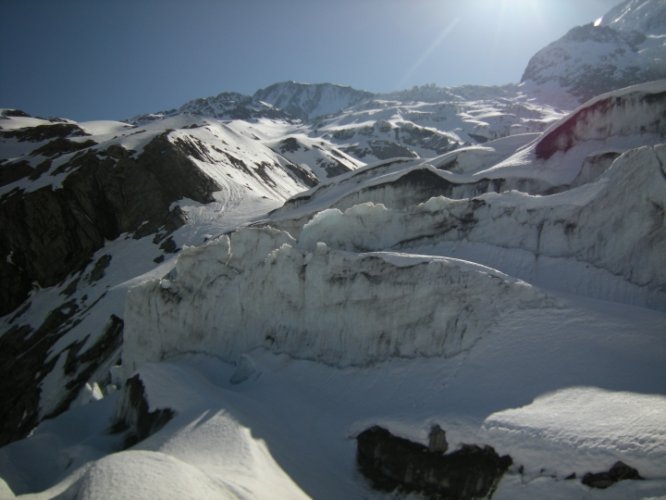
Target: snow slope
x,y
244,429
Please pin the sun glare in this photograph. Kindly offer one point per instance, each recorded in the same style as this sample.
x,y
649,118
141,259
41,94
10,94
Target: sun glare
x,y
426,53
517,16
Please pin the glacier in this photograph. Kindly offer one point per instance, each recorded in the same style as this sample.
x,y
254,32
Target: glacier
x,y
313,260
331,306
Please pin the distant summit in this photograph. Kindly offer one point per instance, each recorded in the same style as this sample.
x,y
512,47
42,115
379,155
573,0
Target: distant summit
x,y
224,106
625,47
645,16
307,101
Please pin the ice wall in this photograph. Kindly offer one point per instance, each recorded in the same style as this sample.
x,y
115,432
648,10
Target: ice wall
x,y
257,288
630,111
616,224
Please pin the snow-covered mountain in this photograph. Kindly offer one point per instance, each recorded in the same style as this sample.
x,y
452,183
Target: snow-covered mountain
x,y
186,295
307,101
626,46
642,16
364,127
224,106
426,122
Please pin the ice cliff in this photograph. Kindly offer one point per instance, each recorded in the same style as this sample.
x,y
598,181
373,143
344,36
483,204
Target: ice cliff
x,y
258,287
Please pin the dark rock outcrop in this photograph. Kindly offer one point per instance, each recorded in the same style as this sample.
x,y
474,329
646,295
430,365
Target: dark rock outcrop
x,y
6,113
133,416
62,145
391,463
618,472
44,132
50,233
25,361
380,149
437,440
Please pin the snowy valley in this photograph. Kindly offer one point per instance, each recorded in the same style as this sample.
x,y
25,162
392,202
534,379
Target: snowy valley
x,y
218,300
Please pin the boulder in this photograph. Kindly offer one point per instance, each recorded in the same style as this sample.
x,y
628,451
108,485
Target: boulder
x,y
133,415
618,472
391,463
437,439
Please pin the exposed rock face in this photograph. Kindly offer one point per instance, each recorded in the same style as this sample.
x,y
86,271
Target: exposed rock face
x,y
391,462
44,132
437,440
24,363
382,150
135,418
52,232
618,472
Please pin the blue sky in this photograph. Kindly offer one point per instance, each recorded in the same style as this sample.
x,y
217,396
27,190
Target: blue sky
x,y
95,59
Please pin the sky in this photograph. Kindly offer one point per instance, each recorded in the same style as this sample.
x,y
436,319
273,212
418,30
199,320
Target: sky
x,y
113,59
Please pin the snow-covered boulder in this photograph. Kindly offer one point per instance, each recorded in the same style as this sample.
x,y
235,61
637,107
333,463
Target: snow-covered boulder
x,y
582,429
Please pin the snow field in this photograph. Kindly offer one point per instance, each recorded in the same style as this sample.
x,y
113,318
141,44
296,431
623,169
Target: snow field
x,y
564,389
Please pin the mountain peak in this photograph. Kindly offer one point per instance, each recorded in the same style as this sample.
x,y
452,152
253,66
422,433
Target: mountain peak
x,y
645,16
625,48
310,100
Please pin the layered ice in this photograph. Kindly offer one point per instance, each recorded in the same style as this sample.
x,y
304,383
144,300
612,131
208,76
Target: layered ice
x,y
615,224
257,288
